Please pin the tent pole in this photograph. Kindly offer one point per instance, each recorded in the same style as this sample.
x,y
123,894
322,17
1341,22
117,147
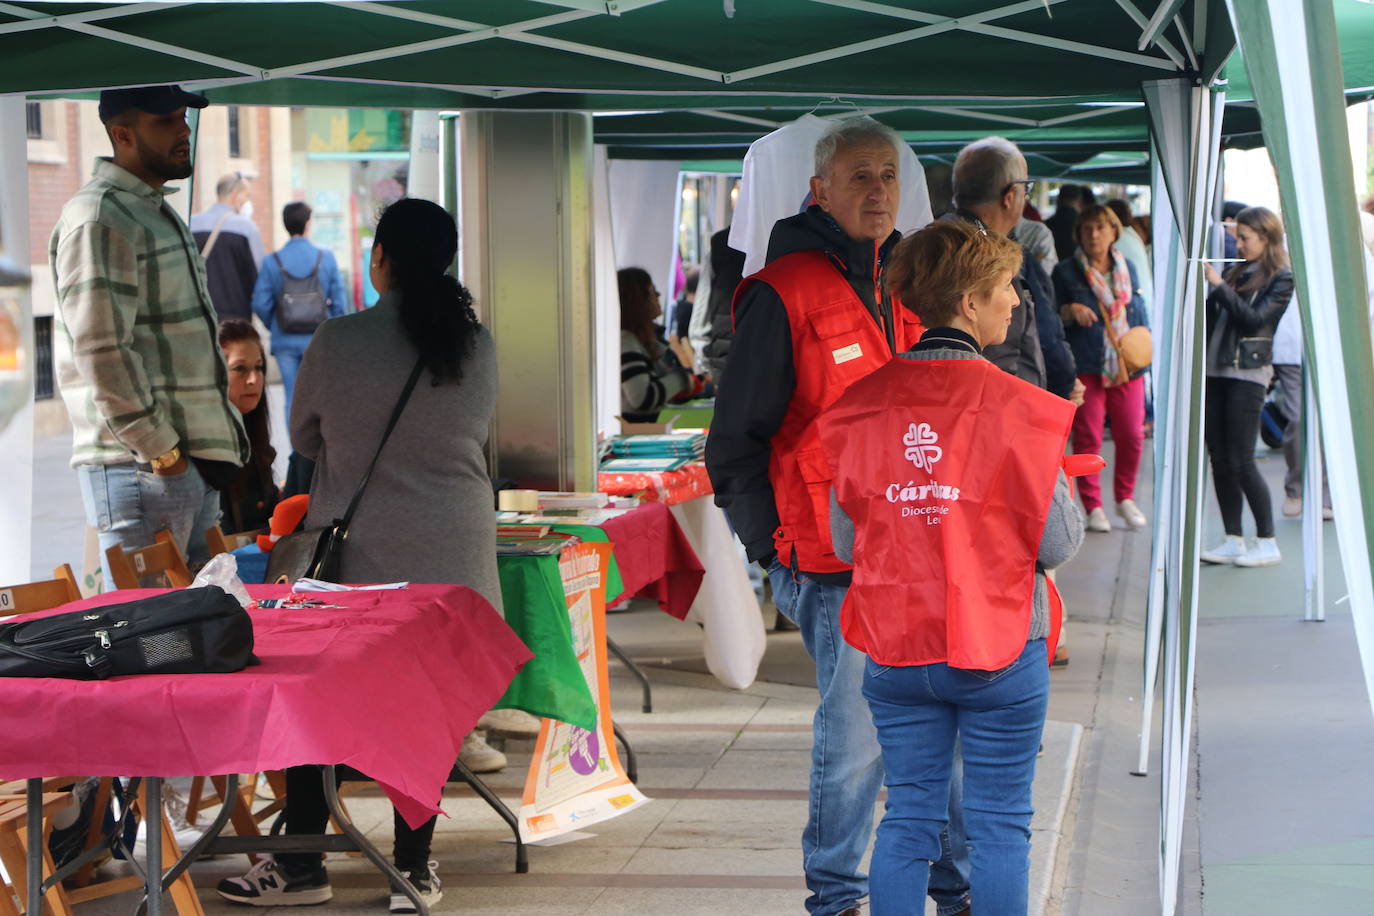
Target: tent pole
x,y
1168,293
16,303
1298,89
1185,124
1313,551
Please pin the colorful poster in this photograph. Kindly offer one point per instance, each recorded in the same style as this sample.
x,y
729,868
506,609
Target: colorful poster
x,y
575,777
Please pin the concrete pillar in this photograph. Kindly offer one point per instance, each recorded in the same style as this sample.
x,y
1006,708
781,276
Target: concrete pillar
x,y
527,257
16,381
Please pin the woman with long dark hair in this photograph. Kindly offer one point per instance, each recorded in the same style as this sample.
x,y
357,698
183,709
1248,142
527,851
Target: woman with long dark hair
x,y
1243,312
248,502
651,376
427,514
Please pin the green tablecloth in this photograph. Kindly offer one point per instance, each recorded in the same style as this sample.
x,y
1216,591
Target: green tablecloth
x,y
551,684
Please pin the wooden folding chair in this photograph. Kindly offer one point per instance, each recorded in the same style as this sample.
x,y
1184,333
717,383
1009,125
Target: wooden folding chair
x,y
39,596
242,815
24,599
14,844
126,568
219,542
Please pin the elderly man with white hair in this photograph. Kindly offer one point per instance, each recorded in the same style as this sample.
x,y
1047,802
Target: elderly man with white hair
x,y
817,318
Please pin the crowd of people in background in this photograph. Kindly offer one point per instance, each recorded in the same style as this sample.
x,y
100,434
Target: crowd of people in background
x,y
819,359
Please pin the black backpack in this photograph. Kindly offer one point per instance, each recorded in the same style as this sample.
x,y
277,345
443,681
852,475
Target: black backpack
x,y
302,306
185,631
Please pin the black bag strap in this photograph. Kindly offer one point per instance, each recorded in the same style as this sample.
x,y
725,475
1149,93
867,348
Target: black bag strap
x,y
282,267
391,424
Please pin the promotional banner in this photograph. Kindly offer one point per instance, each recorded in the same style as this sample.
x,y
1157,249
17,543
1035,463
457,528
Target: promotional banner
x,y
575,777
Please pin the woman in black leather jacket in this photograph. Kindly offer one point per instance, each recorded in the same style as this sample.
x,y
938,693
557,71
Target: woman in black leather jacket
x,y
1243,312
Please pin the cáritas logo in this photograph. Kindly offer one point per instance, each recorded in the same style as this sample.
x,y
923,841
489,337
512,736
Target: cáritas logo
x,y
921,448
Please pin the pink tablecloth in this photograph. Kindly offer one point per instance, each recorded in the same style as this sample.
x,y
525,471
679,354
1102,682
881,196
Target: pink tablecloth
x,y
389,686
656,560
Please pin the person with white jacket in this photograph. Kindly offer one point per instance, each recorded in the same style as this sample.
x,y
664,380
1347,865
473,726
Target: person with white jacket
x,y
1288,357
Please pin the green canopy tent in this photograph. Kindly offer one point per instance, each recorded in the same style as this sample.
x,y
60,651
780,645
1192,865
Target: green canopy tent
x,y
1024,67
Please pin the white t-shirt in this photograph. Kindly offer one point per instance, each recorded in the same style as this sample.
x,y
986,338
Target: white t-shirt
x,y
1288,335
777,184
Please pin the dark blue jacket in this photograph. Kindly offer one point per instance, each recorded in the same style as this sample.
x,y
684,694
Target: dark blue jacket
x,y
1060,369
1089,344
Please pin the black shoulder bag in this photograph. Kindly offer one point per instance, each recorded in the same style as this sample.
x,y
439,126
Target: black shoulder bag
x,y
317,553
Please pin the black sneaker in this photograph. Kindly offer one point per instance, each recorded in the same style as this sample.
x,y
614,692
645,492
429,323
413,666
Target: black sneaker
x,y
426,882
267,884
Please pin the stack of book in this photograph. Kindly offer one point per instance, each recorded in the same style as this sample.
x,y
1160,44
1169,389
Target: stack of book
x,y
530,540
646,454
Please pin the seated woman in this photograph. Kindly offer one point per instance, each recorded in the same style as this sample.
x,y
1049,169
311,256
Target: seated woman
x,y
948,496
248,502
427,513
651,374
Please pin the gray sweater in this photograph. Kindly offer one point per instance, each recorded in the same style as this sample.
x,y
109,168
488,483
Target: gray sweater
x,y
1064,525
428,514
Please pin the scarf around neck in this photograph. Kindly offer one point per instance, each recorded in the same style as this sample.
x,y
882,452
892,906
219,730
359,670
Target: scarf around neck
x,y
1113,293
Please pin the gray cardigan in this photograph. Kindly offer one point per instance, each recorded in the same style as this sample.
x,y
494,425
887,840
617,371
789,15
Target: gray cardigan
x,y
1064,525
428,515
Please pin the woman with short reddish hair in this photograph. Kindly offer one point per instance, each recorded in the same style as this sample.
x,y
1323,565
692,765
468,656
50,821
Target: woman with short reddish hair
x,y
949,501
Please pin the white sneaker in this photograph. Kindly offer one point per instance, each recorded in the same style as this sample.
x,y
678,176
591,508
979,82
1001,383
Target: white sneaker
x,y
1327,514
1226,553
515,723
175,805
479,756
1292,506
1130,513
1264,553
266,884
428,886
1097,520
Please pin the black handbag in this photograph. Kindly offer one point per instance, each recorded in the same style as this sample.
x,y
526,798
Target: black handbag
x,y
1254,352
317,553
186,631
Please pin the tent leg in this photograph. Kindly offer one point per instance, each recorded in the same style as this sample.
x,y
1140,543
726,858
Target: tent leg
x,y
1314,591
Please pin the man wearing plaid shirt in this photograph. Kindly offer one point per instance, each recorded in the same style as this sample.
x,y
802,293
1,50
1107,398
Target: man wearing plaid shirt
x,y
138,361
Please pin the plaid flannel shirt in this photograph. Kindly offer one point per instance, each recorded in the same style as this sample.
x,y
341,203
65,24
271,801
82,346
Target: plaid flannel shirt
x,y
137,351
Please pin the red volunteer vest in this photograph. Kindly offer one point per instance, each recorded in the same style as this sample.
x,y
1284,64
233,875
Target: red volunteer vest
x,y
947,469
835,342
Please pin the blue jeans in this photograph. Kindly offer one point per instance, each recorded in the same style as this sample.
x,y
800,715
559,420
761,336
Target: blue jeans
x,y
846,761
289,362
129,507
997,718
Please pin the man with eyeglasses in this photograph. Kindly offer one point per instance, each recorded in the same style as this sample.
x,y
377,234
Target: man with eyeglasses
x,y
231,245
990,189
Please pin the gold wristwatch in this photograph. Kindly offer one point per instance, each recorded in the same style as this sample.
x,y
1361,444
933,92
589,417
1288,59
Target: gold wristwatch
x,y
163,462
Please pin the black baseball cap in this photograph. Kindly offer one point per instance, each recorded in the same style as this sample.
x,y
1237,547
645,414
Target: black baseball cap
x,y
157,100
